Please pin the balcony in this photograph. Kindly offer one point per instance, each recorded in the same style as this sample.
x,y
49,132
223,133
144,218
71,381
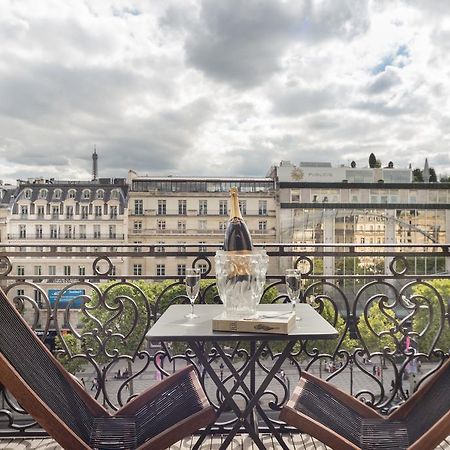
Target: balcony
x,y
393,326
64,237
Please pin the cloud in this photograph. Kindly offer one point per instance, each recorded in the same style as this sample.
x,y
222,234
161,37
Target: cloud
x,y
205,87
242,43
384,82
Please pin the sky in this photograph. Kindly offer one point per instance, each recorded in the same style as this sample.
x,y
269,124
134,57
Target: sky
x,y
221,88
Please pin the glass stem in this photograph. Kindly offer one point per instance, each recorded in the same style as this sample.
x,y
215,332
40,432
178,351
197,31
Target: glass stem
x,y
192,308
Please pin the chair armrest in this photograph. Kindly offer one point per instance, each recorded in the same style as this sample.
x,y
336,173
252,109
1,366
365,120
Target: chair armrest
x,y
350,401
154,391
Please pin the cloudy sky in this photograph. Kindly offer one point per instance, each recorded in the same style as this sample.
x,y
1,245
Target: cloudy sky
x,y
221,87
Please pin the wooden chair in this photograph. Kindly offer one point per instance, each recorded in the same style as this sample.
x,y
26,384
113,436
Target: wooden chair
x,y
345,423
157,418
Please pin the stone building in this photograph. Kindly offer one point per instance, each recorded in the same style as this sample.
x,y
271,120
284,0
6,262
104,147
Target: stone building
x,y
190,213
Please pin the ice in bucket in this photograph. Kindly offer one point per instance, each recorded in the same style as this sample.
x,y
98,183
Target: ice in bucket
x,y
240,280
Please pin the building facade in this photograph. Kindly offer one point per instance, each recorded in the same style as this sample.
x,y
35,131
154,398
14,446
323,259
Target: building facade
x,y
190,213
81,216
322,204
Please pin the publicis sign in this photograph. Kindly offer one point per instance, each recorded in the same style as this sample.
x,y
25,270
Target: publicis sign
x,y
71,296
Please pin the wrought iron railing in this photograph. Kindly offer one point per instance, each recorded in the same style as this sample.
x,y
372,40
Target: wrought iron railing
x,y
394,324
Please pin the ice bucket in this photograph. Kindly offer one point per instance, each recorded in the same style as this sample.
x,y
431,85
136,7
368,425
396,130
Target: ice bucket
x,y
240,280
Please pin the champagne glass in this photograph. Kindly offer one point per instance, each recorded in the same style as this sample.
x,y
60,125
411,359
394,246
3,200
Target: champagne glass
x,y
192,282
293,280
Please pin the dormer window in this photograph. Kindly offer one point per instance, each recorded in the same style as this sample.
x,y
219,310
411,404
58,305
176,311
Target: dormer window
x,y
57,194
71,193
86,194
115,194
100,193
43,193
27,193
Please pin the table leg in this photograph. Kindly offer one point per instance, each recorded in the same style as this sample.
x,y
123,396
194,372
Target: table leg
x,y
253,406
228,397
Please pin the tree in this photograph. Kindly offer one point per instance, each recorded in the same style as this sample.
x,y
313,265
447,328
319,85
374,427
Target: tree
x,y
433,176
372,161
417,176
375,330
445,179
422,318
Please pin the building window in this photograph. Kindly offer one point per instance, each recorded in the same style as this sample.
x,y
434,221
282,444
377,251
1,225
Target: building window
x,y
55,212
202,248
114,194
181,270
222,226
181,247
52,270
161,225
84,212
57,194
363,240
262,208
100,193
24,211
81,270
53,232
72,193
181,226
137,226
67,270
113,270
22,231
112,232
137,269
98,211
202,225
113,212
86,194
97,233
159,248
21,270
38,270
138,207
182,207
203,207
162,207
43,193
40,212
82,231
27,193
203,268
69,212
38,229
68,232
243,207
160,269
262,225
295,196
137,249
20,292
223,207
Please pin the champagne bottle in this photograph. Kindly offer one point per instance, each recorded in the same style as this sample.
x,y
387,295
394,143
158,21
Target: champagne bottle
x,y
237,236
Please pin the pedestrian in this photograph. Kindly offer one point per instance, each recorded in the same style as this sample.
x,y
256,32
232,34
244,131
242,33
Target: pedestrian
x,y
221,367
374,370
392,386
